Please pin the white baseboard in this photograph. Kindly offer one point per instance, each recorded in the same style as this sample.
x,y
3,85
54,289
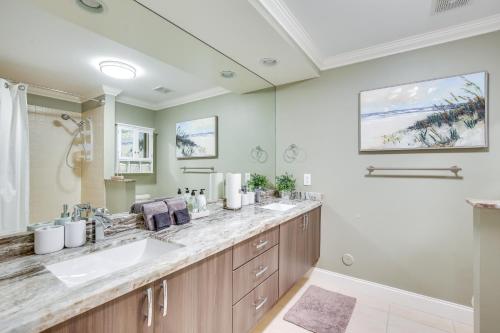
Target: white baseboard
x,y
438,307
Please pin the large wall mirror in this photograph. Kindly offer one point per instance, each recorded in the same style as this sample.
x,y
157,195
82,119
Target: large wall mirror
x,y
120,91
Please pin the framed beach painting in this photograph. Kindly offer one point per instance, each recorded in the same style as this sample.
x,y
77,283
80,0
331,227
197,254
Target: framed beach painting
x,y
196,138
443,113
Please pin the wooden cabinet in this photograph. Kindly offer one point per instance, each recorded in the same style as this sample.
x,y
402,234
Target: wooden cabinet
x,y
255,304
299,248
227,292
292,256
198,298
313,241
126,314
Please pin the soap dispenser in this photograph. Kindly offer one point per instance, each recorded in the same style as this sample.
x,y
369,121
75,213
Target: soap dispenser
x,y
192,204
201,200
186,195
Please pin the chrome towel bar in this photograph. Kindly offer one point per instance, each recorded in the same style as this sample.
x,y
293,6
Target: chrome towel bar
x,y
454,169
199,169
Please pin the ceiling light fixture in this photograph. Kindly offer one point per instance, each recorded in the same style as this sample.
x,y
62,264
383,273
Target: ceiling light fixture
x,y
268,61
94,6
227,74
117,70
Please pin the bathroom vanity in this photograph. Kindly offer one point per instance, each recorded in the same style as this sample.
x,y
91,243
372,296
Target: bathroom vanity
x,y
231,269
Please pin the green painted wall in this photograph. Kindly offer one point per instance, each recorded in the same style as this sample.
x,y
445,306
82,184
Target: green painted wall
x,y
54,103
413,234
133,115
244,121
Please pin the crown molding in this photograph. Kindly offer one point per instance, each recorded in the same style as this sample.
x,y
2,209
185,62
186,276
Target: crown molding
x,y
204,94
285,21
461,31
286,24
111,90
136,102
54,94
212,92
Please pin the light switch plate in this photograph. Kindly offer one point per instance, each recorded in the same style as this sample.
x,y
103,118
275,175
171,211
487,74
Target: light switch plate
x,y
307,179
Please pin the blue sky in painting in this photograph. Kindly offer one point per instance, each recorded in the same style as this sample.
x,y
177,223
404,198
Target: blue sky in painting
x,y
198,127
416,95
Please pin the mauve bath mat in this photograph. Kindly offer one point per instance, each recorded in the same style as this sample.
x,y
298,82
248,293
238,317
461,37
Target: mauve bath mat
x,y
322,311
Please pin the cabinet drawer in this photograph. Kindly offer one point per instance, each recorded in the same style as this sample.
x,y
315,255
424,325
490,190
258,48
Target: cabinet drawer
x,y
254,272
249,249
253,306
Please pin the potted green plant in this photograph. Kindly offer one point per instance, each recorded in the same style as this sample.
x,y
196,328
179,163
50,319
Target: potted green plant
x,y
257,182
285,185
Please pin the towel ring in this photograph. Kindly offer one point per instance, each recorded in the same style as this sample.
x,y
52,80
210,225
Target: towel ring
x,y
259,154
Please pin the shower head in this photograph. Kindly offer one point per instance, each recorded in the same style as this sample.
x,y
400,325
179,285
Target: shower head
x,y
66,116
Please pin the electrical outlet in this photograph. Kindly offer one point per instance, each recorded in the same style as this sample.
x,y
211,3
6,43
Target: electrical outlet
x,y
307,179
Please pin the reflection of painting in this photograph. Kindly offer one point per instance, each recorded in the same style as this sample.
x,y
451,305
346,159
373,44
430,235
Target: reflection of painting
x,y
197,138
444,113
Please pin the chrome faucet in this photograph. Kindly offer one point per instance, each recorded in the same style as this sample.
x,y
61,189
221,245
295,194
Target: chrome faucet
x,y
100,222
79,209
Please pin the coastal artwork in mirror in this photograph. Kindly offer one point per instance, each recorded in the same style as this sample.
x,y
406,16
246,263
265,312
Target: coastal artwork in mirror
x,y
196,138
444,113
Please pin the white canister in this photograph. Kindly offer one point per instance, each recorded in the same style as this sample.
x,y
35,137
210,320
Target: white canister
x,y
49,239
75,233
244,199
251,198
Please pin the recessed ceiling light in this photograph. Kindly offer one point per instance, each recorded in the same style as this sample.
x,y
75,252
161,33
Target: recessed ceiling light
x,y
268,61
94,6
117,70
227,74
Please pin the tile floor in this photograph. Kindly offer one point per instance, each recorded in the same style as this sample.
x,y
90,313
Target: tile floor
x,y
371,315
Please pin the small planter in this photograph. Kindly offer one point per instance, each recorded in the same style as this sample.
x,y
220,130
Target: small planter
x,y
285,195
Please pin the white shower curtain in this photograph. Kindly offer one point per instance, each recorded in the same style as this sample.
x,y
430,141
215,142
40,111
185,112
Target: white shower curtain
x,y
14,158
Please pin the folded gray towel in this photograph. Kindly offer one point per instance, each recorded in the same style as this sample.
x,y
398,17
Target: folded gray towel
x,y
136,207
151,209
175,204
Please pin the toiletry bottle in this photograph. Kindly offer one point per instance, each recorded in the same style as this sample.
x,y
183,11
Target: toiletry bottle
x,y
192,204
201,200
179,192
186,195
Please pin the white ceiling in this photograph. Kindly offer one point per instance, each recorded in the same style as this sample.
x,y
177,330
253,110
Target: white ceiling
x,y
49,51
304,36
309,35
238,30
336,27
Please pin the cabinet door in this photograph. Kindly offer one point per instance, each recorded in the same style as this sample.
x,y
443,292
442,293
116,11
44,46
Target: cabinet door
x,y
126,143
144,145
292,264
126,314
313,244
199,298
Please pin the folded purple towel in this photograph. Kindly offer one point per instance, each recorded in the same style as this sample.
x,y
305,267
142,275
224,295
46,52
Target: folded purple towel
x,y
151,209
182,216
174,204
162,221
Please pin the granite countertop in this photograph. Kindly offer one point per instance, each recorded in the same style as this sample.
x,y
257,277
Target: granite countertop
x,y
478,203
33,299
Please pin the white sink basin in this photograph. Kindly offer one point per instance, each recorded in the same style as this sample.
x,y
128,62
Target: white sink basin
x,y
88,267
280,207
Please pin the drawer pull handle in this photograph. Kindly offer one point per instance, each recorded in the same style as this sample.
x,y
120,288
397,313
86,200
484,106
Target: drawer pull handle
x,y
164,289
261,271
149,315
262,243
260,304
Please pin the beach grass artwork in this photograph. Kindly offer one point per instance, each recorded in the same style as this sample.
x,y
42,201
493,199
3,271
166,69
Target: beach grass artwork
x,y
436,114
196,138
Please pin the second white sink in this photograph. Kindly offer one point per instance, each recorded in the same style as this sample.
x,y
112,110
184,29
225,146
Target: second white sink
x,y
88,267
280,207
